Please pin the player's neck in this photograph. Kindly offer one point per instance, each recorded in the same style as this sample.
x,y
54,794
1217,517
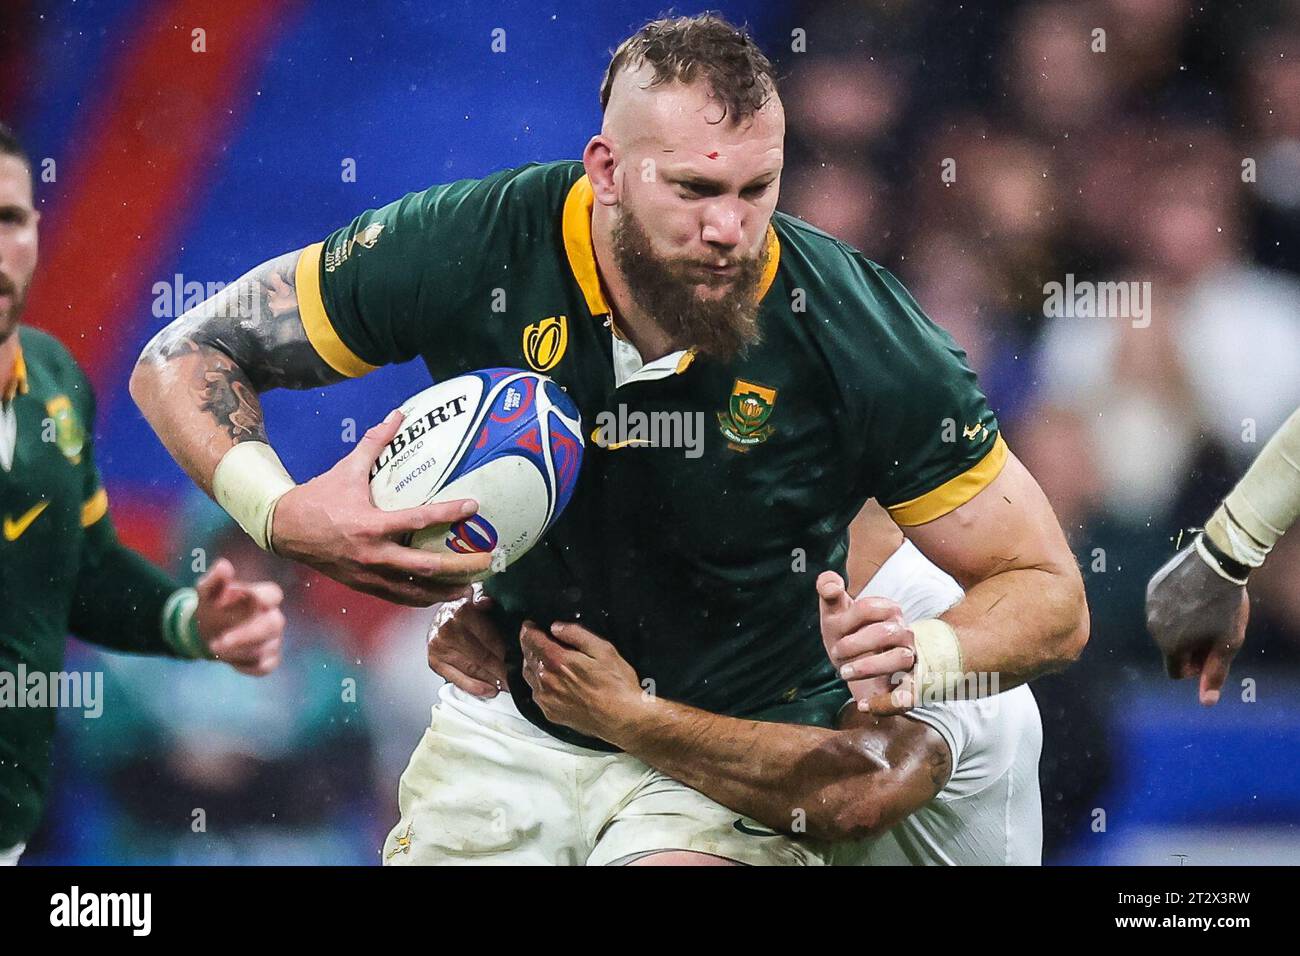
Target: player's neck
x,y
632,321
8,360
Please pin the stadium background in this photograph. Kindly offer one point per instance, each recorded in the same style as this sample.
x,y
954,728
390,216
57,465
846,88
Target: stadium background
x,y
173,166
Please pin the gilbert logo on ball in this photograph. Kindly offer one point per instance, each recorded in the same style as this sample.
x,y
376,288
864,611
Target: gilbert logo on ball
x,y
508,438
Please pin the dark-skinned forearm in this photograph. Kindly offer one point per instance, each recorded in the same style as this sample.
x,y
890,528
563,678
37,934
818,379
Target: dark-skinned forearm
x,y
778,774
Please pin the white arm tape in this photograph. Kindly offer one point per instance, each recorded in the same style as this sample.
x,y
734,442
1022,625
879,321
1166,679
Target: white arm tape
x,y
1265,503
938,671
249,481
924,591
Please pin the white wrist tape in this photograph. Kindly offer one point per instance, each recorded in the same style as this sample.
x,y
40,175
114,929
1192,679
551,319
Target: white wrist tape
x,y
1264,504
938,671
250,479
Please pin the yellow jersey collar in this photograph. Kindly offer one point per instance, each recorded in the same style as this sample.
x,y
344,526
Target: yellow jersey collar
x,y
576,226
18,383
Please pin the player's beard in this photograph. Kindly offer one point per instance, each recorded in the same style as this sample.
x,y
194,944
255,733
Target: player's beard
x,y
665,289
9,315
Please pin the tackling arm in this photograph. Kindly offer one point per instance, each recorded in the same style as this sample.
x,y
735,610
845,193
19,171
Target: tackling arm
x,y
843,784
846,784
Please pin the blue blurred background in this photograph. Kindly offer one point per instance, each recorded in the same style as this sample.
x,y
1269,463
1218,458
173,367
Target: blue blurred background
x,y
163,166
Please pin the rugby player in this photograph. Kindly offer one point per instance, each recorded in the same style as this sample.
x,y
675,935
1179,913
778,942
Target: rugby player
x,y
951,783
62,568
1197,605
662,279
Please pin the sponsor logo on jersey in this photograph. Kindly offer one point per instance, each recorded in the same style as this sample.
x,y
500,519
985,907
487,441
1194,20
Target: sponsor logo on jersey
x,y
14,530
754,828
545,341
744,423
69,435
366,239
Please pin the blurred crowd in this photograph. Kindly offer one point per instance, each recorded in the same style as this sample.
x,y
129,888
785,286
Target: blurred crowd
x,y
980,155
983,156
1146,141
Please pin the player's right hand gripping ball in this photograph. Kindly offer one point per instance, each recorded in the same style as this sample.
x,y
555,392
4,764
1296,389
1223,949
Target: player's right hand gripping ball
x,y
509,439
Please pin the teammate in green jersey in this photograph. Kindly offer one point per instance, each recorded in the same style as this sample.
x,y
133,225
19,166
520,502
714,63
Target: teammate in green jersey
x,y
62,568
655,277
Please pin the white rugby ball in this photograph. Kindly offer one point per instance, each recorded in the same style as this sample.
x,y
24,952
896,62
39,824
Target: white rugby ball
x,y
509,439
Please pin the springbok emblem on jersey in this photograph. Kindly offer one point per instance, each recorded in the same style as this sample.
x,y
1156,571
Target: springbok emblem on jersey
x,y
403,842
744,423
545,342
69,435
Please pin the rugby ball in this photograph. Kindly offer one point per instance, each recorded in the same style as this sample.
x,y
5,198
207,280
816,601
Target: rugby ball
x,y
509,439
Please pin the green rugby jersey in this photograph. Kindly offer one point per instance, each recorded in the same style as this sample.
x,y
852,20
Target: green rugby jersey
x,y
62,568
700,570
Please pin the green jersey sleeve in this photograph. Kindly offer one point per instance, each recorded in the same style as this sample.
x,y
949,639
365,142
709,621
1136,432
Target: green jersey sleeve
x,y
388,286
932,441
118,596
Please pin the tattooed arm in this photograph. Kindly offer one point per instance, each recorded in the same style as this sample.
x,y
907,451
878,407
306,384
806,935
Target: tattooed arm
x,y
198,380
197,383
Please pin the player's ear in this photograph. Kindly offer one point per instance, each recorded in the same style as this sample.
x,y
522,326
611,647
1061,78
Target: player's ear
x,y
598,161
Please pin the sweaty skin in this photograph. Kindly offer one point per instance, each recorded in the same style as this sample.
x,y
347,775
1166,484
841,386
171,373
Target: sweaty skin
x,y
703,187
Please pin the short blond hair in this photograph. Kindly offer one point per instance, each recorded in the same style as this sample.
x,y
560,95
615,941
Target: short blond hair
x,y
705,47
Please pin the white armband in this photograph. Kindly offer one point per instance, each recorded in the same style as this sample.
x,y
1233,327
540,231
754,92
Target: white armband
x,y
249,481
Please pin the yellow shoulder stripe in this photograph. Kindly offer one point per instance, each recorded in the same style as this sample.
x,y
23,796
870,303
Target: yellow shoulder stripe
x,y
18,381
94,508
954,492
575,225
320,331
773,256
